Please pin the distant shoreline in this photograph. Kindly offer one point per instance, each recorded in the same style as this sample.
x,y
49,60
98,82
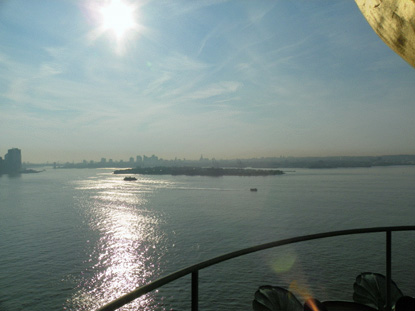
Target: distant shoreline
x,y
254,163
199,171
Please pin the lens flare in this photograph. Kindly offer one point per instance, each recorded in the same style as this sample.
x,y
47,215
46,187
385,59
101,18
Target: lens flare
x,y
283,263
304,292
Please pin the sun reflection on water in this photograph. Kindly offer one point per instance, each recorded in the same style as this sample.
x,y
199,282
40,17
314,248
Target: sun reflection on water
x,y
128,245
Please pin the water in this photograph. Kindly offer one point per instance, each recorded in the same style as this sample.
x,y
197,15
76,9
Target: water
x,y
76,239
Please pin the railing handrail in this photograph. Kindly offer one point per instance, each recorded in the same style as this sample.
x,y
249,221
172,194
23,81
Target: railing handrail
x,y
194,269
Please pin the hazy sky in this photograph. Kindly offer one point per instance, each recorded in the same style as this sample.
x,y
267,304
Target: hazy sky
x,y
224,79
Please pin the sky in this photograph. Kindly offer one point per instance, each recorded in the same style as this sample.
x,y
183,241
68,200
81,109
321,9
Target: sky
x,y
223,79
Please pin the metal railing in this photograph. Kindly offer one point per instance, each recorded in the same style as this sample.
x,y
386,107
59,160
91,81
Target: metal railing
x,y
194,270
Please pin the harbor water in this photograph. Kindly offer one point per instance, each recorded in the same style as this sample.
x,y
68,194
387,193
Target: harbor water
x,y
75,239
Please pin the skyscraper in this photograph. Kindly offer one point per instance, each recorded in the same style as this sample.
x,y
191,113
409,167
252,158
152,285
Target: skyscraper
x,y
13,161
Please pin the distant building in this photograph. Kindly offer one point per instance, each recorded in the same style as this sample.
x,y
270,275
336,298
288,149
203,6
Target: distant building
x,y
12,161
146,160
138,159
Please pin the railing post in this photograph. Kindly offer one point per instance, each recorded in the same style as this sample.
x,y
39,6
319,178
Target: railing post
x,y
195,290
388,269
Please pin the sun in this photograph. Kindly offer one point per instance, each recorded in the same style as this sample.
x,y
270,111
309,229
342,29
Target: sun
x,y
118,20
118,17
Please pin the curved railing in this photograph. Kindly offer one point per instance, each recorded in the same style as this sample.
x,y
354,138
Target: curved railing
x,y
194,270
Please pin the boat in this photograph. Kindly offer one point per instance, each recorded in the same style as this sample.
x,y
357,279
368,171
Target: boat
x,y
253,189
130,178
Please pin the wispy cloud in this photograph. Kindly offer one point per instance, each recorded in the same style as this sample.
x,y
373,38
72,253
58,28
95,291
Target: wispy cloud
x,y
50,69
178,62
158,85
175,76
217,89
180,8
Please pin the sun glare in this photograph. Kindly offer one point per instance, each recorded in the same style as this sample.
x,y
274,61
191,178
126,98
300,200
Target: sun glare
x,y
118,17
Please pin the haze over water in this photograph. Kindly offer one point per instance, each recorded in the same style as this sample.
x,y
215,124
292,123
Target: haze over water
x,y
75,239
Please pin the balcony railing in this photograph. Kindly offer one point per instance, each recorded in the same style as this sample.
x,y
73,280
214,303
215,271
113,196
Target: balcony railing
x,y
194,270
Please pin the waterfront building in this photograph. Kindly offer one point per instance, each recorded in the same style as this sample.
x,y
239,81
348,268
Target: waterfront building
x,y
12,161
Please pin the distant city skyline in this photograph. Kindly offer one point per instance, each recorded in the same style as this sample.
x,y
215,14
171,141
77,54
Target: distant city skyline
x,y
154,160
12,162
225,79
96,158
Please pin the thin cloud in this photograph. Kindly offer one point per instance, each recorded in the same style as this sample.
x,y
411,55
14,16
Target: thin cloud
x,y
218,30
50,69
178,62
190,7
217,89
158,85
